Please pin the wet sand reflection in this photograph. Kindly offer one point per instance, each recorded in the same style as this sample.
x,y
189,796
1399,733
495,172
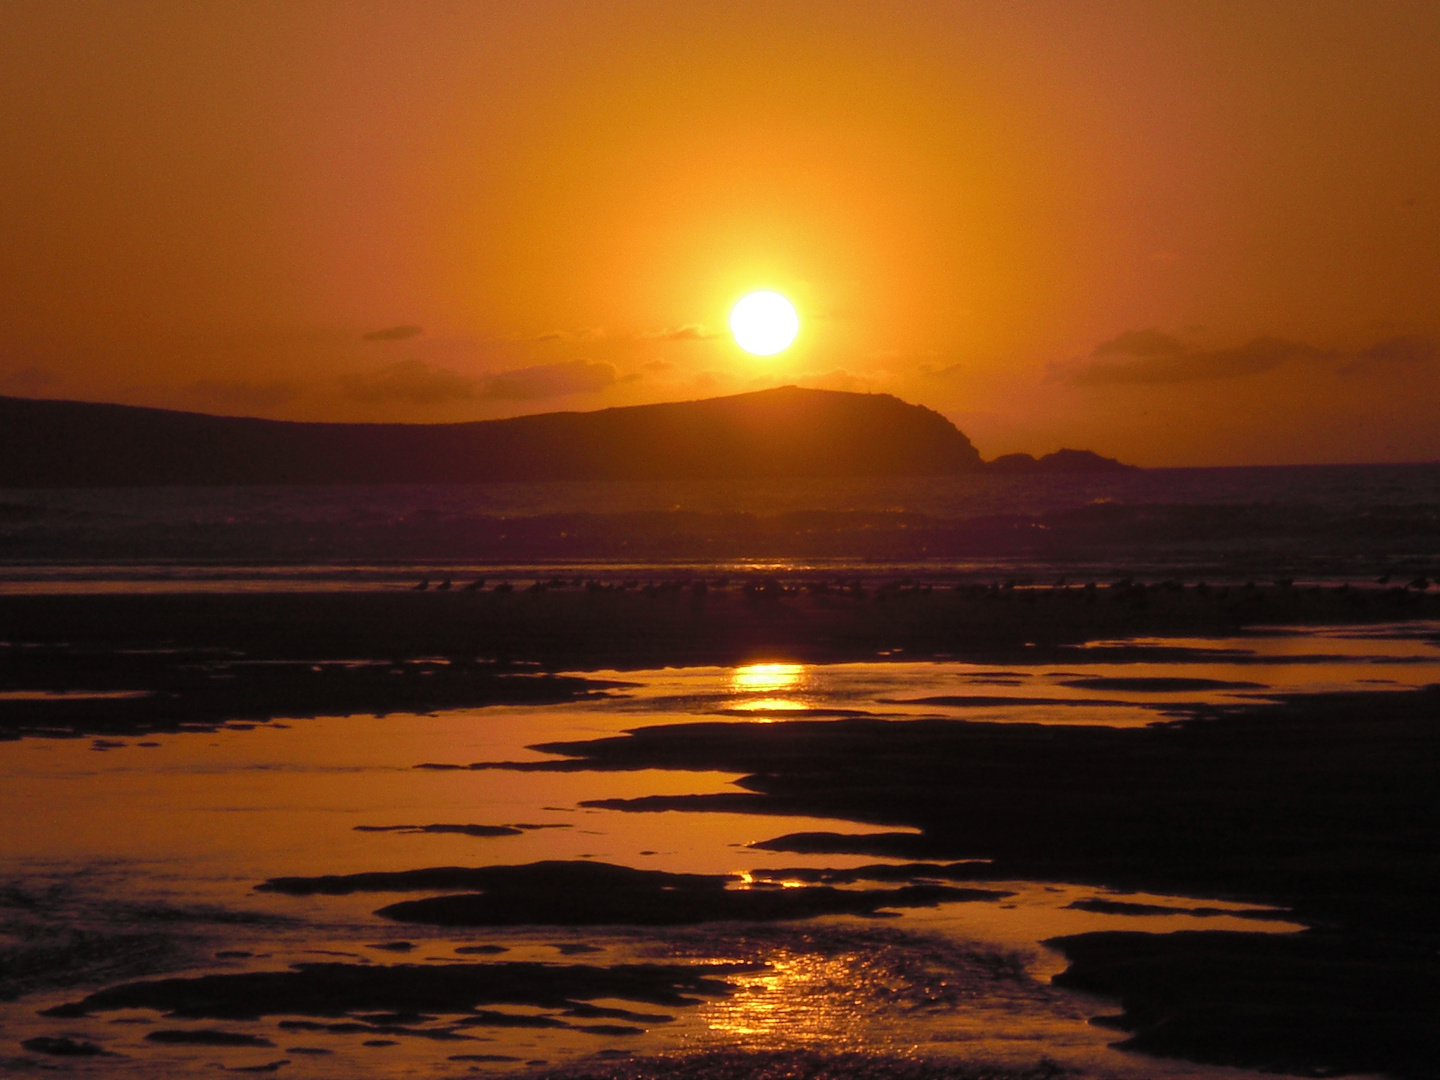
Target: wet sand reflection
x,y
147,855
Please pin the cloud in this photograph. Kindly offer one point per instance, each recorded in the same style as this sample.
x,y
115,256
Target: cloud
x,y
689,332
411,381
591,334
1409,351
551,380
232,394
393,333
1150,357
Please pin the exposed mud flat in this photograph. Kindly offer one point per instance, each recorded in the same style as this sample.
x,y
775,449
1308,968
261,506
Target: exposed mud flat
x,y
1191,807
598,894
117,692
1314,1004
396,993
673,622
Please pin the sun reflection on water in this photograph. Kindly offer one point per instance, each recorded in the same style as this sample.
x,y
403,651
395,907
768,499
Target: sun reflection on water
x,y
771,704
767,678
794,998
771,680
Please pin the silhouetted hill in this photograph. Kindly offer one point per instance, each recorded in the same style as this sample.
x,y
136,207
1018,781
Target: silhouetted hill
x,y
770,433
1061,461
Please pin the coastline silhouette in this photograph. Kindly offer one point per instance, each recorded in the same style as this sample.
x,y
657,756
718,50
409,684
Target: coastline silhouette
x,y
784,432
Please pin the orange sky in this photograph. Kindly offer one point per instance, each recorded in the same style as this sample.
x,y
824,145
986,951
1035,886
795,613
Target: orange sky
x,y
1188,233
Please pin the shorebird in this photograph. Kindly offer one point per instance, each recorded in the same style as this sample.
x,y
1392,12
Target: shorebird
x,y
444,586
422,586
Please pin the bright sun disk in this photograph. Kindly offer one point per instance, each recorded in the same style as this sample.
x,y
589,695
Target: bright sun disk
x,y
764,323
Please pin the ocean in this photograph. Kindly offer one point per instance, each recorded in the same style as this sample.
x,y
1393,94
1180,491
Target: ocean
x,y
1311,523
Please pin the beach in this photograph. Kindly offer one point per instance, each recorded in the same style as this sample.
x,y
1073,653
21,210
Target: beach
x,y
1166,808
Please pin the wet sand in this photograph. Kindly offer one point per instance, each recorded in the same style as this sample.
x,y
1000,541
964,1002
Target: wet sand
x,y
208,658
1322,805
684,619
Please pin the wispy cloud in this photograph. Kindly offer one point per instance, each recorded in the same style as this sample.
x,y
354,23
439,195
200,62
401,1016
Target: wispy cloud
x,y
410,381
594,333
551,380
689,332
393,333
1150,357
417,383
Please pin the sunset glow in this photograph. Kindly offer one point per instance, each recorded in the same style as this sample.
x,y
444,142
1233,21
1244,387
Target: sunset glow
x,y
1184,234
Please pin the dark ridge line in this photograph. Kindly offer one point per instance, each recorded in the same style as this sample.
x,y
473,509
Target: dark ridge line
x,y
783,432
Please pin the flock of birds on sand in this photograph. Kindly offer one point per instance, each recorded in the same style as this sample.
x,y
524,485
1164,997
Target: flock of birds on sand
x,y
771,586
698,586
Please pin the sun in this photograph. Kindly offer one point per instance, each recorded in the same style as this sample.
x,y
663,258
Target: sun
x,y
764,323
